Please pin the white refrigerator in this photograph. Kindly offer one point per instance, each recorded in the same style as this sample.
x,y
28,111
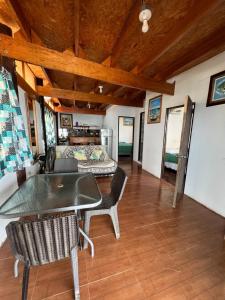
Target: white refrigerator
x,y
106,140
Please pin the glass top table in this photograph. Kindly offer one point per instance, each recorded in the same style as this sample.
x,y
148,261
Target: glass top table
x,y
48,193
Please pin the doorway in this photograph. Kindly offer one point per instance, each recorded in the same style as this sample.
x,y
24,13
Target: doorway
x,y
125,138
177,139
141,136
172,139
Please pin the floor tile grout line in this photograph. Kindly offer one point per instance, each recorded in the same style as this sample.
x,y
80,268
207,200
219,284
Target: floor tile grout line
x,y
182,281
107,277
46,298
9,257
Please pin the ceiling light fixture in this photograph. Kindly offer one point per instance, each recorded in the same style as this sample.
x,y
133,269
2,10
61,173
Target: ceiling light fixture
x,y
100,89
145,16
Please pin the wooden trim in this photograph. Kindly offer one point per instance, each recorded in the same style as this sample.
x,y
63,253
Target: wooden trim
x,y
81,96
35,126
28,118
141,117
86,111
55,60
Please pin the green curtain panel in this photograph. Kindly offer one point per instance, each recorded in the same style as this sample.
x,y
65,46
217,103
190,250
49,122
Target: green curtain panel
x,y
50,127
15,152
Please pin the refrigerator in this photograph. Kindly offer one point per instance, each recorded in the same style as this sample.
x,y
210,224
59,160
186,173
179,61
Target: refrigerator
x,y
106,140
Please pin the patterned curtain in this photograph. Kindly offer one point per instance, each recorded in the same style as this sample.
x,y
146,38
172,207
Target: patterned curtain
x,y
15,153
50,128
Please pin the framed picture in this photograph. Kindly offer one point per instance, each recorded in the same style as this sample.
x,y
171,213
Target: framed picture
x,y
154,110
66,120
216,93
127,121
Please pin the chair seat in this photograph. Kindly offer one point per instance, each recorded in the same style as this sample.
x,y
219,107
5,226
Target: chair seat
x,y
107,202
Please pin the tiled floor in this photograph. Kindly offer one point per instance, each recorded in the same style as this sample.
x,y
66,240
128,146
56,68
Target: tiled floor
x,y
162,254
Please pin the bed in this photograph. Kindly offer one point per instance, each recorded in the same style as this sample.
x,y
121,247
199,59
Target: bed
x,y
125,149
171,159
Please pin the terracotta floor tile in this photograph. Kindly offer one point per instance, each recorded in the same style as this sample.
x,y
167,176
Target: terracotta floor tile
x,y
109,259
69,295
123,286
5,251
163,253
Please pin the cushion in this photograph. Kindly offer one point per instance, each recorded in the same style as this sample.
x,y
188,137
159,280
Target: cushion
x,y
80,154
97,154
58,154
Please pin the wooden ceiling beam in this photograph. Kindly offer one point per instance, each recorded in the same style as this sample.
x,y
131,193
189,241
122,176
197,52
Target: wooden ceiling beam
x,y
119,44
86,97
55,60
187,23
18,15
206,49
199,11
28,35
64,109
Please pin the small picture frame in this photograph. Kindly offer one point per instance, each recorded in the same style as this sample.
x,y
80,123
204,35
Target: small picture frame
x,y
127,121
66,120
154,110
216,94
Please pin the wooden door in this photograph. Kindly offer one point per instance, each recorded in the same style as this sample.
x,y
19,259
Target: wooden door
x,y
184,149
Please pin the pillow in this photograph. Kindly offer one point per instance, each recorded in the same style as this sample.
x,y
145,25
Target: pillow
x,y
96,154
80,154
58,154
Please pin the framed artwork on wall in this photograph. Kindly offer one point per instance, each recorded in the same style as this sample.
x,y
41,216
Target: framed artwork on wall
x,y
154,110
66,120
216,93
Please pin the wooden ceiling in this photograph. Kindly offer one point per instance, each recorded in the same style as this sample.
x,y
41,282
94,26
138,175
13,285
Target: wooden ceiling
x,y
182,34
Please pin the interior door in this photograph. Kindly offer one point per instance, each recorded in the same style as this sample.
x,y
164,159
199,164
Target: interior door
x,y
141,136
184,149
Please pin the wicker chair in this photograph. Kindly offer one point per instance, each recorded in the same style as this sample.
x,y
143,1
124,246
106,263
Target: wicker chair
x,y
45,241
65,165
109,204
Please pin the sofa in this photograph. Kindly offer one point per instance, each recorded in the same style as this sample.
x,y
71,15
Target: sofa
x,y
91,158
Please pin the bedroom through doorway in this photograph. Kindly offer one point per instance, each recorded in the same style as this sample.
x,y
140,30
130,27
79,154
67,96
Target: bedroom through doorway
x,y
125,138
172,139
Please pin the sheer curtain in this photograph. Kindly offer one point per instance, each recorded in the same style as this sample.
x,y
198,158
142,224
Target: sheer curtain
x,y
50,127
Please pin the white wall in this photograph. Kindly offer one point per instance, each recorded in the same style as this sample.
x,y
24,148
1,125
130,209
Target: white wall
x,y
205,175
23,107
125,132
8,185
91,120
111,121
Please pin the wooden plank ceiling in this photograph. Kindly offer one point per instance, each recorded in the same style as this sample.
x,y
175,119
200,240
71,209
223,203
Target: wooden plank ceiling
x,y
182,34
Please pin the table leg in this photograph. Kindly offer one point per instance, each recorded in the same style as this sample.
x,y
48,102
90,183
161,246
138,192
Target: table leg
x,y
89,241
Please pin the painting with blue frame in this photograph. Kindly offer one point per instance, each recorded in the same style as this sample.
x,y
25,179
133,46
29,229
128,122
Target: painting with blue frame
x,y
216,93
154,110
